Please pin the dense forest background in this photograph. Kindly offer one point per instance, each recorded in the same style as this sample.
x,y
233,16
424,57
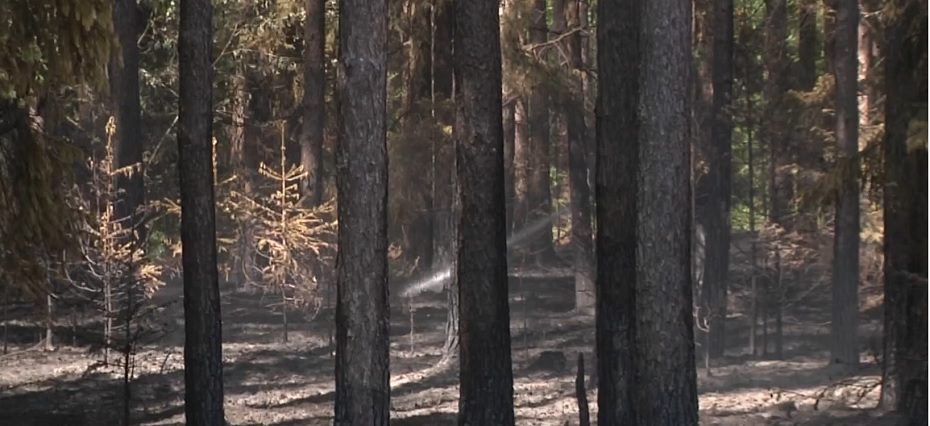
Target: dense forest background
x,y
791,180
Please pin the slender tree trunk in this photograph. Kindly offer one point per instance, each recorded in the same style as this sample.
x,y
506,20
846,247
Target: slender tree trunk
x,y
6,318
442,185
416,108
753,262
509,125
539,199
49,323
807,44
124,82
203,359
777,134
776,88
644,322
829,33
582,244
864,53
904,369
716,204
845,312
311,131
521,166
486,376
362,314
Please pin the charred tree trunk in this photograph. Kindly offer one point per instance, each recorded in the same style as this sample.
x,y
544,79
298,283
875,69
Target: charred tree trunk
x,y
416,108
829,33
442,162
582,244
124,83
486,376
521,165
807,44
362,314
509,125
644,321
845,311
539,199
776,88
716,200
203,358
904,369
314,117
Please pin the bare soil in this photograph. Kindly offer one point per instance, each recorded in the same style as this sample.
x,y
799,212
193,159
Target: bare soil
x,y
268,382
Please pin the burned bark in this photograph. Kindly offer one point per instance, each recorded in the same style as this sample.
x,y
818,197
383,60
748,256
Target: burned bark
x,y
362,314
486,376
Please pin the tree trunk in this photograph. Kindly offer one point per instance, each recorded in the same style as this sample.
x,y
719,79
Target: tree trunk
x,y
776,132
807,44
716,201
864,54
829,33
124,82
442,188
845,347
539,199
644,322
362,314
314,119
521,166
49,323
416,108
753,279
904,369
486,376
582,245
509,125
203,359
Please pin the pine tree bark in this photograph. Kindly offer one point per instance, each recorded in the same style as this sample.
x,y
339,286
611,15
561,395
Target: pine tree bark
x,y
203,360
644,322
442,95
486,376
716,203
539,199
362,314
124,83
904,367
776,88
314,117
416,109
845,310
582,244
442,194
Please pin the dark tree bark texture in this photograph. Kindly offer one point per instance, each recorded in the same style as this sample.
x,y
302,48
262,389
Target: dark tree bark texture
x,y
807,44
311,130
715,203
904,371
845,311
644,312
362,316
486,376
124,82
776,88
582,243
203,359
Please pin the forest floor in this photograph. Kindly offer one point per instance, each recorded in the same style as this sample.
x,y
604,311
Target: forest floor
x,y
273,383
